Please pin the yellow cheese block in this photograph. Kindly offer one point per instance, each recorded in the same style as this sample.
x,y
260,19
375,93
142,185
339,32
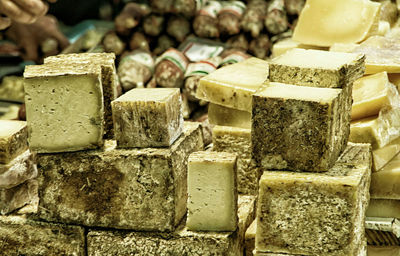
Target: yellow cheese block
x,y
382,156
220,115
383,208
232,86
370,94
383,250
325,22
385,184
341,47
287,44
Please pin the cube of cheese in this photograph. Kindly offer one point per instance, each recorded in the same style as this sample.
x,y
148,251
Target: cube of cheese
x,y
212,192
371,94
233,85
22,236
317,68
19,170
384,208
385,183
220,115
298,128
316,213
13,139
250,239
238,141
325,22
179,242
64,107
18,196
138,189
109,79
148,117
382,156
383,250
382,231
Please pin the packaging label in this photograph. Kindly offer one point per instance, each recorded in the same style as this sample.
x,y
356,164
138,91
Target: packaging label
x,y
235,7
141,57
175,57
197,51
211,9
201,68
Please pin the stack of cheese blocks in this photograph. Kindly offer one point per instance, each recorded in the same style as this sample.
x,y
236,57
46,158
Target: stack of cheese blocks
x,y
18,185
112,197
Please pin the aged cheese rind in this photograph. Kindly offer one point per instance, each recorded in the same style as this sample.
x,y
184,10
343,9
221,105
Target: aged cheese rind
x,y
382,156
298,127
220,115
385,183
148,117
212,191
64,107
384,208
22,236
233,85
238,141
324,22
316,213
19,170
139,189
13,139
18,196
109,79
179,242
317,68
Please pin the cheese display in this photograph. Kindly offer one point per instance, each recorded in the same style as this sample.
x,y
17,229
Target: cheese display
x,y
385,183
139,189
298,127
19,170
147,117
384,208
179,242
20,235
382,156
325,22
212,192
317,68
233,85
238,141
382,231
371,94
64,107
316,213
220,115
13,139
17,196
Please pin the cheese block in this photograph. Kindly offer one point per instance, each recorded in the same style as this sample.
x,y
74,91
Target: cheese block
x,y
233,85
148,117
18,196
137,189
382,156
64,107
220,115
13,139
371,94
287,44
394,78
250,239
298,127
383,28
382,231
212,192
383,250
109,78
238,141
316,213
384,208
379,131
19,170
179,242
325,22
317,68
20,235
341,47
385,183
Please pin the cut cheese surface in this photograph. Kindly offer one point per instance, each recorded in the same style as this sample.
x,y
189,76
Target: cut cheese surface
x,y
385,184
287,44
233,85
342,47
382,156
220,115
383,208
10,127
325,22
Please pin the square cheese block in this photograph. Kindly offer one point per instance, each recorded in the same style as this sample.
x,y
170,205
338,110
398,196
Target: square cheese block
x,y
325,22
109,79
384,208
233,85
287,44
298,127
20,235
179,242
316,213
317,68
382,231
382,156
148,117
371,94
220,115
385,183
383,250
212,192
250,239
13,139
138,189
238,141
64,107
19,170
18,196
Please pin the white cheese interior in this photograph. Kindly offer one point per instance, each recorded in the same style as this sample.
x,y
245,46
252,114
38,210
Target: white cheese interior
x,y
10,127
